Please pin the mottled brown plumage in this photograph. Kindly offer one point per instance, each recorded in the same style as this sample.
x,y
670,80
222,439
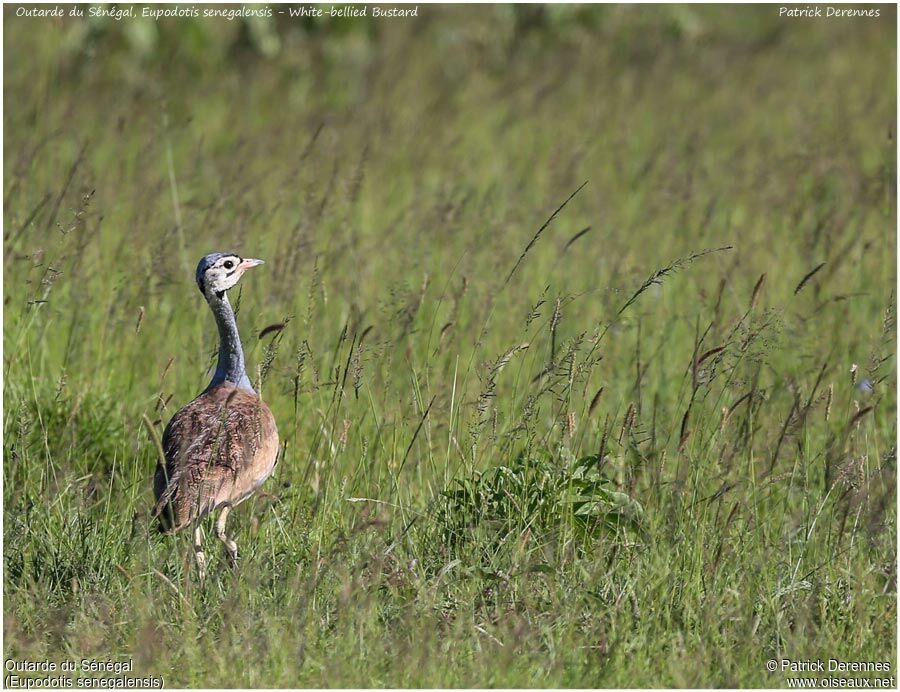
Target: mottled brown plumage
x,y
219,449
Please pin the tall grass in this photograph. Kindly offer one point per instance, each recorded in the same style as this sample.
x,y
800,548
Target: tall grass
x,y
638,435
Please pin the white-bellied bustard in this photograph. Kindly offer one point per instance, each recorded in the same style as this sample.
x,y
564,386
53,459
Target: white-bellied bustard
x,y
222,446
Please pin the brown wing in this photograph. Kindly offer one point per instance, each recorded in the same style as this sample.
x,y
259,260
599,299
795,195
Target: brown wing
x,y
219,449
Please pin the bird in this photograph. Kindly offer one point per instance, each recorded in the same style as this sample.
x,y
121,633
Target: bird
x,y
222,446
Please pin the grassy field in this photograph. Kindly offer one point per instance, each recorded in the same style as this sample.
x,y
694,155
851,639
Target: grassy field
x,y
639,436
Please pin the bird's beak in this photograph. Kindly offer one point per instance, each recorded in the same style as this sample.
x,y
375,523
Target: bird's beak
x,y
247,263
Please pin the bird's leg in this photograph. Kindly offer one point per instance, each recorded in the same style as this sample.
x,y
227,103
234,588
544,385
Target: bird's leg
x,y
230,545
198,553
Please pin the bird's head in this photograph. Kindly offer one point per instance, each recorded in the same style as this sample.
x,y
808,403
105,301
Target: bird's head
x,y
219,271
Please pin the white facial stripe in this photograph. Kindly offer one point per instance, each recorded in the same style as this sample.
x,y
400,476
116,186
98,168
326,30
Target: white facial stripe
x,y
219,277
235,261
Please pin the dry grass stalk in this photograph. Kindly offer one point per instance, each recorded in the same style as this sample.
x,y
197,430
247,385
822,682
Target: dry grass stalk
x,y
537,235
656,278
808,276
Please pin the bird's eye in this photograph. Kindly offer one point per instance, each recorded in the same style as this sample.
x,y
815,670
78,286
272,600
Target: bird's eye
x,y
228,264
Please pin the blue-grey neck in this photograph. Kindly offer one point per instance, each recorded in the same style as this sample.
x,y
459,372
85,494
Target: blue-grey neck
x,y
231,356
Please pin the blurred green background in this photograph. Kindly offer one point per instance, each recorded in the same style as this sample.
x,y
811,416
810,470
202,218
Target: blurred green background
x,y
500,469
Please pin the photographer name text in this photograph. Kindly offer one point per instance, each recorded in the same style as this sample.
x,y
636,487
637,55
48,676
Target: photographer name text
x,y
815,11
